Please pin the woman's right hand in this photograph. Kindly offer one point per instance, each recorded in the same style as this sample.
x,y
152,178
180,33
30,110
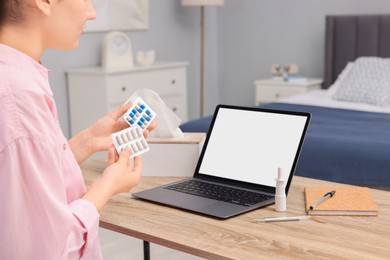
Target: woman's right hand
x,y
120,176
121,172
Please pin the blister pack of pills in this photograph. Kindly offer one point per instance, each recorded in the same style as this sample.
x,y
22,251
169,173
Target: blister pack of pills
x,y
132,138
139,114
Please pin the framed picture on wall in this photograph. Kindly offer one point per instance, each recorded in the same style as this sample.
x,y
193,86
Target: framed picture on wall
x,y
122,15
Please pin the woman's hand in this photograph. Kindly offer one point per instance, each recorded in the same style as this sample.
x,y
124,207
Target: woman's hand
x,y
120,176
98,136
100,132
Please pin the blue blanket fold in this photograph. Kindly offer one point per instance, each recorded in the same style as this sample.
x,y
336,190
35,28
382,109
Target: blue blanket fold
x,y
341,145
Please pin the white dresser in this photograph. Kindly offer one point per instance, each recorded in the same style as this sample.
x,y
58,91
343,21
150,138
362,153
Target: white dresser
x,y
93,92
269,90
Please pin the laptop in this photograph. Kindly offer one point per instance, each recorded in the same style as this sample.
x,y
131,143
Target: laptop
x,y
239,162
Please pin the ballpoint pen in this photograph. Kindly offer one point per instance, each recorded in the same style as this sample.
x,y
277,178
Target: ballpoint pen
x,y
280,219
324,198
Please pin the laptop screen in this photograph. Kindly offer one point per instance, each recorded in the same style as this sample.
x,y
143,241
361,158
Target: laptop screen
x,y
250,144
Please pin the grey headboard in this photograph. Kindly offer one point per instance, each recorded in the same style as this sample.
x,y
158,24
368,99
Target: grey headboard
x,y
351,36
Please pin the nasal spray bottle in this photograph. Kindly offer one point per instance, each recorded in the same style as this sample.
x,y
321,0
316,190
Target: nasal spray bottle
x,y
280,193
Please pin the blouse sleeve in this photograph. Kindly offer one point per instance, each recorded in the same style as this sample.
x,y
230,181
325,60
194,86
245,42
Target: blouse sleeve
x,y
36,219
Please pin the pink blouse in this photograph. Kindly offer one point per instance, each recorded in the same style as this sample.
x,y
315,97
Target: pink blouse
x,y
42,215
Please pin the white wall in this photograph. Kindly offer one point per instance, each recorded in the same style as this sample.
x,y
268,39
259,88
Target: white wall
x,y
254,34
243,39
173,33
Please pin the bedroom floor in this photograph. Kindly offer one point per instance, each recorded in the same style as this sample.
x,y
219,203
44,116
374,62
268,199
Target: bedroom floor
x,y
116,246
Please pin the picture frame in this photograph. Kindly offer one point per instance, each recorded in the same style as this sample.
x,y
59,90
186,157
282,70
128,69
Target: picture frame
x,y
119,15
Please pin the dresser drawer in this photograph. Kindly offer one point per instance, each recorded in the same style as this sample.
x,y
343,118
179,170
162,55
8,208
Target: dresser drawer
x,y
164,82
269,90
271,93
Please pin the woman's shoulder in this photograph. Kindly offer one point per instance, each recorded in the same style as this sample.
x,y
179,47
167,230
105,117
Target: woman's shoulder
x,y
26,111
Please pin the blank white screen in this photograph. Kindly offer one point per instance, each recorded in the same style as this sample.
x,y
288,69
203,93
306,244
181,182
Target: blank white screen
x,y
250,146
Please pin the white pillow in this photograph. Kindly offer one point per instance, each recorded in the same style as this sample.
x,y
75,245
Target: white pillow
x,y
335,86
368,81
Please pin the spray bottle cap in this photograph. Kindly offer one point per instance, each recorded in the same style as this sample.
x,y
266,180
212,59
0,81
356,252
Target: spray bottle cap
x,y
279,175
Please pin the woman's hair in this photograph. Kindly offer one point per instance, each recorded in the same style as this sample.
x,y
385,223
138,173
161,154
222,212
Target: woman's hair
x,y
11,11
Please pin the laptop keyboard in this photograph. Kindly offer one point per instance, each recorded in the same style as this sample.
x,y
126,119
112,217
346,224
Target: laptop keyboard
x,y
219,192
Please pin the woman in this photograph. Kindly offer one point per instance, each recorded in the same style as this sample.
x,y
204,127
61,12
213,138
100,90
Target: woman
x,y
45,210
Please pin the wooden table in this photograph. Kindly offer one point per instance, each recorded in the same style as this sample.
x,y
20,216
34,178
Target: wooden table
x,y
330,237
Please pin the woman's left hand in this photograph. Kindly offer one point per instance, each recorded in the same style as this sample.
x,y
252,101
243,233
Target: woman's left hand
x,y
98,136
102,130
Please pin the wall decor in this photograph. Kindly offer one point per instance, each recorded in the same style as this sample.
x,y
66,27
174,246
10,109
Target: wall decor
x,y
122,15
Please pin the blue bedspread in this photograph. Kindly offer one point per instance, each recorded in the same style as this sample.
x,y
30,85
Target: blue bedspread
x,y
341,145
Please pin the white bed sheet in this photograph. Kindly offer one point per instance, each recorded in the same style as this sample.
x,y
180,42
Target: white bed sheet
x,y
323,98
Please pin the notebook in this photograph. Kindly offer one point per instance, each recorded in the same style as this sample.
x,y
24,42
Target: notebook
x,y
239,162
353,201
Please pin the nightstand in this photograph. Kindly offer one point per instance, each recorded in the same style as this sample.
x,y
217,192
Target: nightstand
x,y
269,90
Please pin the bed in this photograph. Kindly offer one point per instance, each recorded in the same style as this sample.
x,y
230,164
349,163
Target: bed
x,y
348,137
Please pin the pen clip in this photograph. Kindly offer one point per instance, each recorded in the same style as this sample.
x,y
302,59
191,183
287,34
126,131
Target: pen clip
x,y
330,193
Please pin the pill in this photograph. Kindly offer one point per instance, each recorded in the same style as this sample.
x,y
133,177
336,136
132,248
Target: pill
x,y
142,119
134,133
124,137
128,118
135,149
148,112
129,136
132,115
142,105
129,147
139,145
139,123
148,119
132,121
144,143
134,111
119,139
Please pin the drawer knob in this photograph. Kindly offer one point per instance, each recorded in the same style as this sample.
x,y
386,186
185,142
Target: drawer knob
x,y
124,88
